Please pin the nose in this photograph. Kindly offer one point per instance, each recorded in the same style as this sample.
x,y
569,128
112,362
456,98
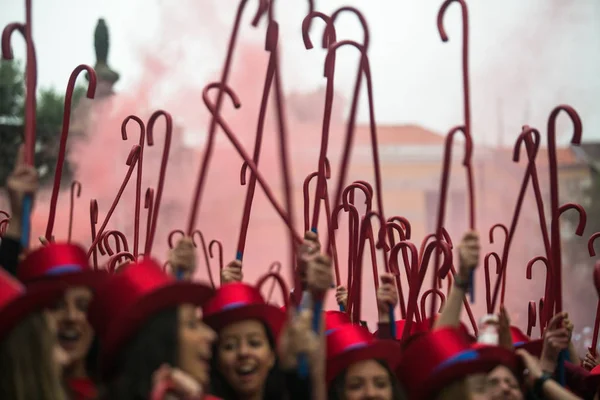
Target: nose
x,y
73,313
208,333
505,387
370,392
243,349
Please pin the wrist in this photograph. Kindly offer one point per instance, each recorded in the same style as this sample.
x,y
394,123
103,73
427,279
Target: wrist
x,y
461,282
14,230
547,366
538,384
384,317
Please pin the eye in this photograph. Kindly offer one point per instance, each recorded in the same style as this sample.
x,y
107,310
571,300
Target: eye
x,y
193,323
255,343
59,305
492,383
82,305
228,346
354,385
382,383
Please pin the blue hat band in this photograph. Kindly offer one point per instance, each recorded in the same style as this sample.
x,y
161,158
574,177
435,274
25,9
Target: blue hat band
x,y
64,269
468,355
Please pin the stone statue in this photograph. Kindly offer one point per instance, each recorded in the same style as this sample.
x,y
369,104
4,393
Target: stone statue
x,y
101,44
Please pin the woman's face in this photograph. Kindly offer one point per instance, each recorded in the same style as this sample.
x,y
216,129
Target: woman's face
x,y
477,384
195,344
367,380
502,384
74,332
244,356
59,355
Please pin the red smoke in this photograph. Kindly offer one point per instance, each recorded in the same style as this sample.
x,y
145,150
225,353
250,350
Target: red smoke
x,y
99,158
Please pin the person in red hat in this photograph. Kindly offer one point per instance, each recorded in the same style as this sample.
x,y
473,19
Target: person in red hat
x,y
28,349
145,319
446,360
67,264
245,360
360,366
54,265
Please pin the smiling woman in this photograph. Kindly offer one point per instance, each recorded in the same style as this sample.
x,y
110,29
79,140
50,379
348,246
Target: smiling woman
x,y
29,367
146,324
65,264
245,361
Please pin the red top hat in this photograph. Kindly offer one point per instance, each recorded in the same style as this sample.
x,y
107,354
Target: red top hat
x,y
122,305
444,356
334,320
349,344
59,261
16,302
238,301
522,341
592,381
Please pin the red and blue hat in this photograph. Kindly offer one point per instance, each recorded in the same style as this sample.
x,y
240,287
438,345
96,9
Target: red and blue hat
x,y
335,319
16,302
64,262
522,341
443,357
349,344
237,301
125,301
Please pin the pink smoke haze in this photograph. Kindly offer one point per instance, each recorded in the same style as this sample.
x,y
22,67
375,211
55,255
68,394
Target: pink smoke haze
x,y
98,159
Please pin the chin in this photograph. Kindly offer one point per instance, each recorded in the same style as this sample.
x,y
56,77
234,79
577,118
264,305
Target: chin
x,y
201,376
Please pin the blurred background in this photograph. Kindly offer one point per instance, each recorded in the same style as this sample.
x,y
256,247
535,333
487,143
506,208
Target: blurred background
x,y
525,59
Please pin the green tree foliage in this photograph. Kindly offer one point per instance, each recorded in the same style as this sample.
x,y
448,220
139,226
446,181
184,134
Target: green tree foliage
x,y
50,105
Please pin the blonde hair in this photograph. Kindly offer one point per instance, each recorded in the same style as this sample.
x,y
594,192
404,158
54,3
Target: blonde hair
x,y
29,371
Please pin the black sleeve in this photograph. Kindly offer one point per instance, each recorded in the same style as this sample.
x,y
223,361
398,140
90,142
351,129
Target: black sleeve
x,y
10,249
297,388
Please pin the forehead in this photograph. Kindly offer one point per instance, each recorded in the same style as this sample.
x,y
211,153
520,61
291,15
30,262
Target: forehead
x,y
245,327
366,368
501,372
78,292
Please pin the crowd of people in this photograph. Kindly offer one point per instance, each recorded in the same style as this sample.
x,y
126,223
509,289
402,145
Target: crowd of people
x,y
70,331
142,327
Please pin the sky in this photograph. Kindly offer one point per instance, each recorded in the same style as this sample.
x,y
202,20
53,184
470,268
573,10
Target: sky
x,y
526,57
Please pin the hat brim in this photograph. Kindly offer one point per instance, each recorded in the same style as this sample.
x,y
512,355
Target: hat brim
x,y
489,358
123,327
272,316
35,299
533,347
388,351
91,279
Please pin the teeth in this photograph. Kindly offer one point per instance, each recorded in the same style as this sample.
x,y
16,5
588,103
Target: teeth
x,y
69,335
246,369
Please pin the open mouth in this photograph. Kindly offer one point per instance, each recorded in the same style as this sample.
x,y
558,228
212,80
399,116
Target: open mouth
x,y
245,371
68,338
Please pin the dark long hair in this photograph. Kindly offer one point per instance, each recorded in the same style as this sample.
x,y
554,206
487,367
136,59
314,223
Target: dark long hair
x,y
92,360
26,361
338,385
155,344
275,388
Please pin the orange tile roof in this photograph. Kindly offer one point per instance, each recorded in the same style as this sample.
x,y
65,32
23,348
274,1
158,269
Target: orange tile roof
x,y
399,134
565,156
410,134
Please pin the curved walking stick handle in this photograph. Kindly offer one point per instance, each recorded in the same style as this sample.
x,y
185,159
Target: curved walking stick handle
x,y
91,90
